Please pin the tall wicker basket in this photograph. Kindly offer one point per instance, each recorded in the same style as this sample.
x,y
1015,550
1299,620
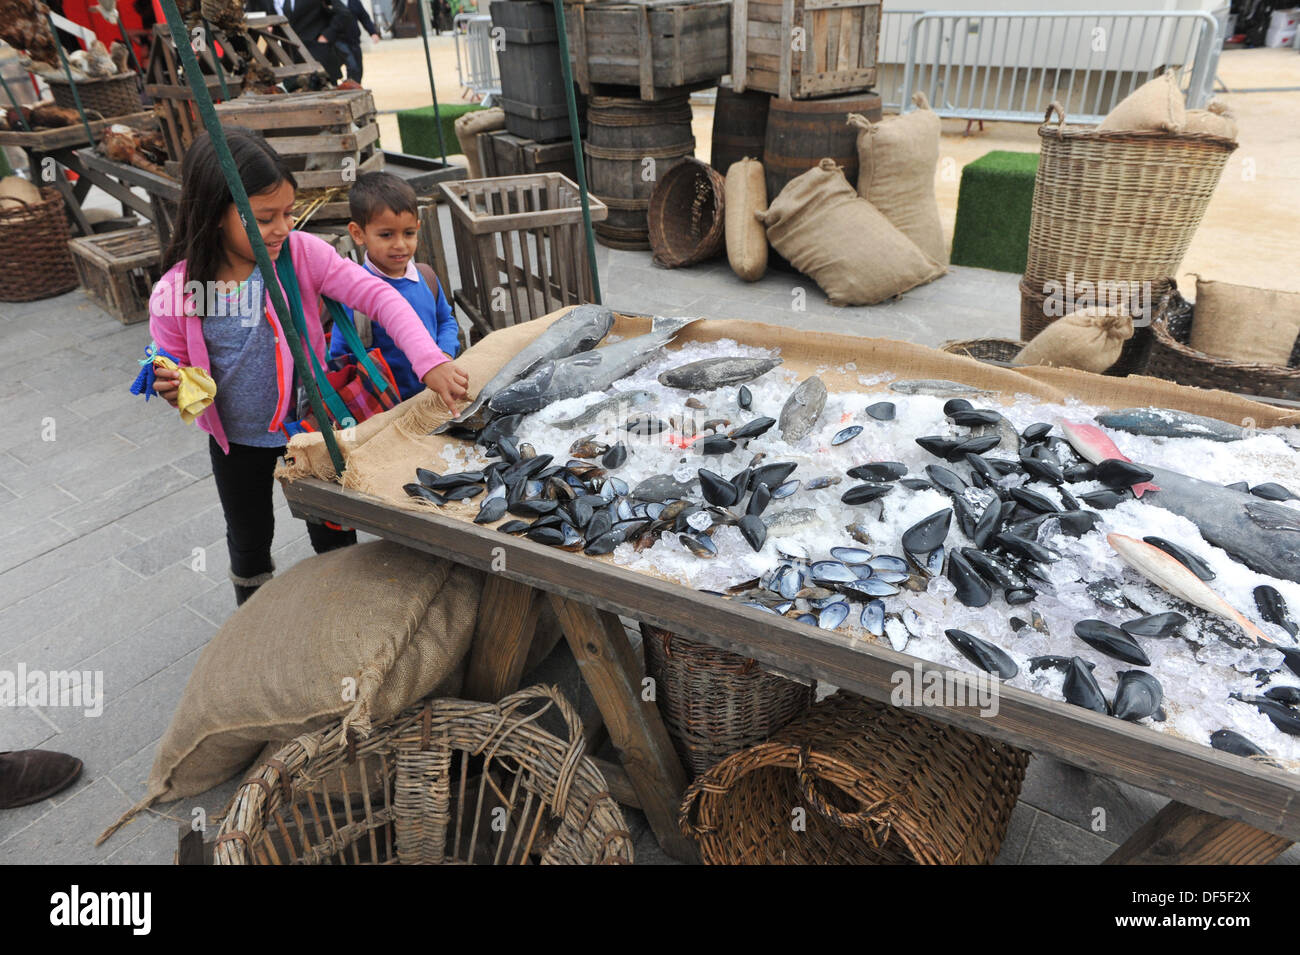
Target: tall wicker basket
x,y
446,782
685,217
34,259
715,703
1118,206
877,784
110,96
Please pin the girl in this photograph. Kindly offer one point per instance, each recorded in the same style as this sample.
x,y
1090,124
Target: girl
x,y
240,341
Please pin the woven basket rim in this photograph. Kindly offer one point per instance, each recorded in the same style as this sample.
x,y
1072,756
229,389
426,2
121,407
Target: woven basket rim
x,y
668,251
1160,329
93,80
1074,131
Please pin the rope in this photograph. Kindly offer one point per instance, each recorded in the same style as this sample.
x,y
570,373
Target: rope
x,y
213,125
67,70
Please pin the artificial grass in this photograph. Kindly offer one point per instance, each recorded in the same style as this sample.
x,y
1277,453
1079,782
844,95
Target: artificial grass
x,y
420,133
993,210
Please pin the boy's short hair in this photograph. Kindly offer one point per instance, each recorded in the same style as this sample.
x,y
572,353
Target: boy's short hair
x,y
373,192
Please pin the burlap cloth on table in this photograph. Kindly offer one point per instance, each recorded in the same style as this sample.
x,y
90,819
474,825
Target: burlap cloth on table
x,y
384,452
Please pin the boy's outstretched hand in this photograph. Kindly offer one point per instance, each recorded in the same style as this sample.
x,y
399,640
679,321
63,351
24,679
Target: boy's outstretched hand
x,y
450,383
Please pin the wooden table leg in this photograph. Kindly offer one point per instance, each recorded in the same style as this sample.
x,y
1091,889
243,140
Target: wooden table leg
x,y
506,622
1181,835
609,667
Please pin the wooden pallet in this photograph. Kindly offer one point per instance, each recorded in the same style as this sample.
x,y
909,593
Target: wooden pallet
x,y
328,137
119,269
837,54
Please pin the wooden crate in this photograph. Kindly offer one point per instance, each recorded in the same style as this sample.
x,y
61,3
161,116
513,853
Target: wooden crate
x,y
520,246
328,138
835,53
655,48
119,269
502,153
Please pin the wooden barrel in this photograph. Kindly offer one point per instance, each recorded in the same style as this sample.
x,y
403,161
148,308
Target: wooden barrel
x,y
802,132
630,144
739,126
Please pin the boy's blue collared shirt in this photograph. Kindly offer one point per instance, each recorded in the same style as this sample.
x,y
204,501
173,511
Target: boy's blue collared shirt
x,y
434,311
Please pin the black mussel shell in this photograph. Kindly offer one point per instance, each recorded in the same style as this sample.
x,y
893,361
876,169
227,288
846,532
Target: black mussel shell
x,y
1230,741
966,517
701,545
1043,468
645,426
1280,715
773,475
1189,560
956,404
493,509
1154,625
928,533
939,447
1051,661
463,492
754,530
715,444
428,478
916,484
615,456
1077,523
1036,432
1077,473
744,398
976,445
1115,472
1023,547
972,590
878,471
1137,696
420,492
740,481
1081,687
759,500
945,480
1104,500
981,466
1272,492
974,418
717,490
1272,607
1034,500
601,523
882,410
987,525
546,535
847,434
1112,641
752,429
1290,695
982,653
1019,595
535,507
995,571
864,493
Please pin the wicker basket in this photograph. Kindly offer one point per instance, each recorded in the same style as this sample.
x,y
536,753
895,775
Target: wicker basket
x,y
716,703
1133,356
1172,358
686,217
110,96
878,786
999,350
433,787
1118,206
34,259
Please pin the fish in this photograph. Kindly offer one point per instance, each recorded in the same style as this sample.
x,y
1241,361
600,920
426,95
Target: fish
x,y
576,374
578,330
802,409
1263,535
617,404
938,387
1172,577
713,373
1168,423
1095,446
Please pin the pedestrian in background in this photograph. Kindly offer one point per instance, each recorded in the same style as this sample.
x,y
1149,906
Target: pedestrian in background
x,y
320,24
349,46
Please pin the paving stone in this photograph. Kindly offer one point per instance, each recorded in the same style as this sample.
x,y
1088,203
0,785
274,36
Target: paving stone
x,y
1053,842
176,542
124,499
172,508
198,463
65,597
154,842
31,541
1074,796
1022,822
47,569
21,727
150,650
66,834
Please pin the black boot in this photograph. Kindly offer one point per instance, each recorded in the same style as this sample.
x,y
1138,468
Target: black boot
x,y
246,586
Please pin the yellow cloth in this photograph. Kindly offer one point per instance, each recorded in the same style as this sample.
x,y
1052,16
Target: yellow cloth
x,y
197,389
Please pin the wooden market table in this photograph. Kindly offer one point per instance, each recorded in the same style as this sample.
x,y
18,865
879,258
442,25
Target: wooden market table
x,y
1225,809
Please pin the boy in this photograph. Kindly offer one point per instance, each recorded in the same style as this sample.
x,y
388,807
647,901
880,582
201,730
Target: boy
x,y
385,222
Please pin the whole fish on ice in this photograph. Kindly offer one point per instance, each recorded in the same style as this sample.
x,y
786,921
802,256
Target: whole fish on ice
x,y
619,402
579,330
938,387
713,373
1168,423
595,370
1095,445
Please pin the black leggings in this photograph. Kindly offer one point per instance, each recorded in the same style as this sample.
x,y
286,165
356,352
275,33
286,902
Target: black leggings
x,y
245,480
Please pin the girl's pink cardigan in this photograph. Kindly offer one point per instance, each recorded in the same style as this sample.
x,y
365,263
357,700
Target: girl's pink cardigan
x,y
321,271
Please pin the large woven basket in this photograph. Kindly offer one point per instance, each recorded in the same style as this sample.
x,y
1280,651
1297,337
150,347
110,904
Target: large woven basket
x,y
35,261
1172,358
877,785
686,216
1118,206
1132,360
110,96
716,703
993,350
446,782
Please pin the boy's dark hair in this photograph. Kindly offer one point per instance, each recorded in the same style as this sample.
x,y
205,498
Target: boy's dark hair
x,y
373,192
205,197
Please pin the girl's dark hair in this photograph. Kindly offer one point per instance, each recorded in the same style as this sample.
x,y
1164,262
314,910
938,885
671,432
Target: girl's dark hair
x,y
205,197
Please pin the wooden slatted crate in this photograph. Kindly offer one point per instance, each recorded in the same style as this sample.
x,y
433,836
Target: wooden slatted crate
x,y
118,270
501,153
328,137
801,49
656,48
520,244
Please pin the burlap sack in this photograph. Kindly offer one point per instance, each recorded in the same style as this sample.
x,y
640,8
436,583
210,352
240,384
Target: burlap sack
x,y
1243,323
1089,340
359,633
1216,119
746,194
841,241
1156,104
896,164
467,129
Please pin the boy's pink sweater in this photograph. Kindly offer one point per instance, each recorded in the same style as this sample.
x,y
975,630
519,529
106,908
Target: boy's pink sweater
x,y
321,271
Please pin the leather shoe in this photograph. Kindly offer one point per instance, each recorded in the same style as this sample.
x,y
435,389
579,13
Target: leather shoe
x,y
30,775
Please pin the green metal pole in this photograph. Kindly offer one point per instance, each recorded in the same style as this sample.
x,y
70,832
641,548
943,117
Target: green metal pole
x,y
216,59
428,63
576,136
17,106
213,125
67,71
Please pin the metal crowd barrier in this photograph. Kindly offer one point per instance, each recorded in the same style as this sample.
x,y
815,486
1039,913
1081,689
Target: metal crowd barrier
x,y
995,65
476,59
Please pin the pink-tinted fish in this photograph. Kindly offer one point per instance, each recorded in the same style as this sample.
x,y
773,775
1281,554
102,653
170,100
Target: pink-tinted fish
x,y
1096,446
